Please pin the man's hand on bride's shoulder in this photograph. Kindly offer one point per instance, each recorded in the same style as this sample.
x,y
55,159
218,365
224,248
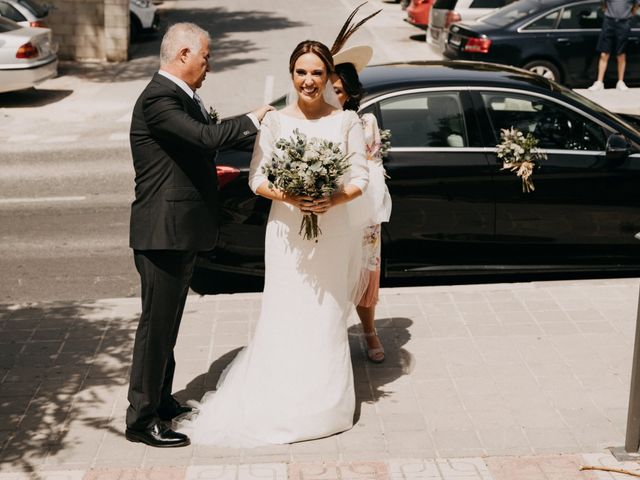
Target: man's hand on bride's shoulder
x,y
262,111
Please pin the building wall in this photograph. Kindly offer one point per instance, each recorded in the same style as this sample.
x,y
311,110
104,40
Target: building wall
x,y
91,30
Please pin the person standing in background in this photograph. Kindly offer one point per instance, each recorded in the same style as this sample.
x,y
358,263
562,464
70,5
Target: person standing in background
x,y
613,38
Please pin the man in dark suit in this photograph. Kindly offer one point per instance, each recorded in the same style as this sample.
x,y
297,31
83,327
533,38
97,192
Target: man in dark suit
x,y
174,215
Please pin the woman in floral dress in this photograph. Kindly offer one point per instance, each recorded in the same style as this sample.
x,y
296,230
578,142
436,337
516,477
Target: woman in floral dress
x,y
346,84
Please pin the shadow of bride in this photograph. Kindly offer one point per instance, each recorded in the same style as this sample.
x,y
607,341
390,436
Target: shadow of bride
x,y
208,381
370,378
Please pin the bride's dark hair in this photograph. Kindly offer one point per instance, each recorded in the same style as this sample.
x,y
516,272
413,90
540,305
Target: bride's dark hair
x,y
317,48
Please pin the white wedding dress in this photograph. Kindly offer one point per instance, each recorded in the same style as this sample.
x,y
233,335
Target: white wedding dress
x,y
294,380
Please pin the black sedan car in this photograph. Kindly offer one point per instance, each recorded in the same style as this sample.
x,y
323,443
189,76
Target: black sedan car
x,y
554,38
455,211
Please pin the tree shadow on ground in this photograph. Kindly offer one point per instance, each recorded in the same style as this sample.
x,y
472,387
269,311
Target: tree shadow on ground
x,y
54,362
32,97
221,23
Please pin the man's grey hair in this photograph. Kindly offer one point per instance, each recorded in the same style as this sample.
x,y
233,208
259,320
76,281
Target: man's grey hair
x,y
179,36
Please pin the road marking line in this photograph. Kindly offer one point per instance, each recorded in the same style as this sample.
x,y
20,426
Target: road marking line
x,y
22,138
119,136
41,199
62,139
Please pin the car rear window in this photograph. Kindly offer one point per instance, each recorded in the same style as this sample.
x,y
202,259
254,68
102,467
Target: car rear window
x,y
581,16
8,11
7,25
488,3
34,7
514,12
425,119
445,4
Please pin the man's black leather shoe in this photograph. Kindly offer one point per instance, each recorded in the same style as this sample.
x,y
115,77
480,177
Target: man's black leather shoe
x,y
158,435
172,412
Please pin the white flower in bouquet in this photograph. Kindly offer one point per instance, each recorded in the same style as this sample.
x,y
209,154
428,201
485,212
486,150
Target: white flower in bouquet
x,y
519,154
310,167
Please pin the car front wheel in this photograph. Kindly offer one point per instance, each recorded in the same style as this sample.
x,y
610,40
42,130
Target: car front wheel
x,y
544,68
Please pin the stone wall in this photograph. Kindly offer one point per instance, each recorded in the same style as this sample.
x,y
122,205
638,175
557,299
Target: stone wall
x,y
91,30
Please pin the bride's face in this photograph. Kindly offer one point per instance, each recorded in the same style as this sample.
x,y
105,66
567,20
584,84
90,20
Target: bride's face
x,y
309,77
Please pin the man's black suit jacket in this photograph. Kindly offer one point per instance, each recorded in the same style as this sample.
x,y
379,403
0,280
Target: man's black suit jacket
x,y
173,147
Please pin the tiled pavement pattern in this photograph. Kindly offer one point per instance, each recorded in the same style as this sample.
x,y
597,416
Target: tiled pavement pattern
x,y
502,382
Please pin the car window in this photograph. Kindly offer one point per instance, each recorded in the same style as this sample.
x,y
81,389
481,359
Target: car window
x,y
8,11
445,4
426,119
34,7
548,22
487,3
555,126
580,17
514,12
7,25
635,21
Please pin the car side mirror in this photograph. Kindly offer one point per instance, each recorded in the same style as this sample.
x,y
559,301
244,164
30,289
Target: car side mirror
x,y
617,147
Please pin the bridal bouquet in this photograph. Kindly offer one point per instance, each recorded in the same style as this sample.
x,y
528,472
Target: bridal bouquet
x,y
385,141
519,154
307,166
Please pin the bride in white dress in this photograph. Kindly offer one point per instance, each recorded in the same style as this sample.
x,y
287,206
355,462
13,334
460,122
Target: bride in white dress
x,y
294,380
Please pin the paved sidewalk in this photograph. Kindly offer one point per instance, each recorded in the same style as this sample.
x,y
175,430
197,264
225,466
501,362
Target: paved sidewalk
x,y
494,382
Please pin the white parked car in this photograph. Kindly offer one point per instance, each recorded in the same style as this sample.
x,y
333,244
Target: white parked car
x,y
446,12
28,13
27,56
144,17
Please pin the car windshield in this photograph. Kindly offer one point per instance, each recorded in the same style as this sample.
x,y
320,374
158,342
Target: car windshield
x,y
7,25
594,106
34,7
513,12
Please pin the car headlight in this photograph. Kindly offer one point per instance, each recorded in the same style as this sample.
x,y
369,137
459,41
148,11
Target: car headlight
x,y
141,3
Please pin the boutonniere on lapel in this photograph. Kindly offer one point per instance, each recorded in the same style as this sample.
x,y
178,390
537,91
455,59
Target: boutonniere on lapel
x,y
213,115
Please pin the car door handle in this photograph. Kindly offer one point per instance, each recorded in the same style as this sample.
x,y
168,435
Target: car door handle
x,y
563,40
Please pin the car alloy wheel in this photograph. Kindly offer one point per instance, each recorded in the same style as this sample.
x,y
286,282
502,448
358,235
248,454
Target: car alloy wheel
x,y
544,69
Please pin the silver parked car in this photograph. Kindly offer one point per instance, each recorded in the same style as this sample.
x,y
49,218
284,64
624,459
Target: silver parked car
x,y
28,13
446,12
27,56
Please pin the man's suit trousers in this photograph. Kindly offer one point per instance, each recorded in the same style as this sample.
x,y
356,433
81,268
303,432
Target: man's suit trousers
x,y
165,277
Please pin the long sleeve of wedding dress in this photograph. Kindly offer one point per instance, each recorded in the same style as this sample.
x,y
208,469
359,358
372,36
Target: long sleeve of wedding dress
x,y
263,150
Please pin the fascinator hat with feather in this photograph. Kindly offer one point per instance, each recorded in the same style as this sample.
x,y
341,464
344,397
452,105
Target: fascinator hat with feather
x,y
359,55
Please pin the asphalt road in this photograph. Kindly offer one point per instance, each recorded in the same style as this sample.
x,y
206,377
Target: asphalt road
x,y
64,223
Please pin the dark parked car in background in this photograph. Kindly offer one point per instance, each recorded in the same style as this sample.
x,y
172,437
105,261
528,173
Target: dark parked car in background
x,y
554,38
454,209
